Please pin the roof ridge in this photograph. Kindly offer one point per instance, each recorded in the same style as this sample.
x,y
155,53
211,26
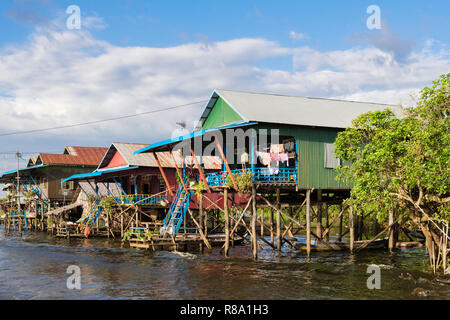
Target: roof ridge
x,y
304,97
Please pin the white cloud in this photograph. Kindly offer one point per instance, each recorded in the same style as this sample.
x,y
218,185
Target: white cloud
x,y
297,35
63,77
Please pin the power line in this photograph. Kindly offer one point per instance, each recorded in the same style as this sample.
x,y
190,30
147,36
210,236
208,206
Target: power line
x,y
103,120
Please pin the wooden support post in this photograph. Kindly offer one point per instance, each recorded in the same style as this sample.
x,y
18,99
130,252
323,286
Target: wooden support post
x,y
166,181
271,226
391,231
262,222
308,222
319,214
341,218
327,221
444,248
351,227
224,159
227,221
121,225
253,223
178,172
200,171
200,212
278,222
107,224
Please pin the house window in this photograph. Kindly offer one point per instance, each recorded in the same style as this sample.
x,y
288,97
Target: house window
x,y
67,185
162,184
330,160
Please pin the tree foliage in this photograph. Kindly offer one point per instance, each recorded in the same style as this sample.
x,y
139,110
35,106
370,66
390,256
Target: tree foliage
x,y
402,162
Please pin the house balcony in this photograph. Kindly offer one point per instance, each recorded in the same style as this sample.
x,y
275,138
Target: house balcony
x,y
140,199
260,175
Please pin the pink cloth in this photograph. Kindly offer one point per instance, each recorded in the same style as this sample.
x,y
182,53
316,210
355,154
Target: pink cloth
x,y
284,158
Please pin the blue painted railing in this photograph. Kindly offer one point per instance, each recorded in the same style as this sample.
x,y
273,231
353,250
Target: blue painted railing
x,y
260,175
177,210
140,199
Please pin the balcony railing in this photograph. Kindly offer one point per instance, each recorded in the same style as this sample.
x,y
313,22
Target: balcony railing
x,y
260,175
140,199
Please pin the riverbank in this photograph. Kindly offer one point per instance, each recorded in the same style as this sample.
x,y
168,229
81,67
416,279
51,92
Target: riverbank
x,y
34,266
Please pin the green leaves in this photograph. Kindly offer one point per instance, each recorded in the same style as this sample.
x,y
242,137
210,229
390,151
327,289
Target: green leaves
x,y
401,163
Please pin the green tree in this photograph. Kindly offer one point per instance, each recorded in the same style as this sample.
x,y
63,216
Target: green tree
x,y
402,163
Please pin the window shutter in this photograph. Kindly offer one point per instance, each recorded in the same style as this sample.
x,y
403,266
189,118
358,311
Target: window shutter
x,y
330,160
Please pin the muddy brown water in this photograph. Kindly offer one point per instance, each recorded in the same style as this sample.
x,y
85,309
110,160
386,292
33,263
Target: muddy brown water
x,y
34,266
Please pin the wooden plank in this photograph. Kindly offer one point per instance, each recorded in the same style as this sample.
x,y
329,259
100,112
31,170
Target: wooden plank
x,y
219,147
166,181
178,172
199,168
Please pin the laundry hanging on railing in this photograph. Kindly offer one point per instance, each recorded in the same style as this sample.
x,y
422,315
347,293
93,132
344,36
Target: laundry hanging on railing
x,y
264,157
276,148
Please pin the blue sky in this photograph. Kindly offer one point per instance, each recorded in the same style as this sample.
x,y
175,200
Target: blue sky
x,y
133,56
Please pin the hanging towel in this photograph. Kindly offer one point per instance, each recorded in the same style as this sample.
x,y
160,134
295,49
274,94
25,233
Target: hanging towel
x,y
284,158
244,157
276,148
264,157
274,157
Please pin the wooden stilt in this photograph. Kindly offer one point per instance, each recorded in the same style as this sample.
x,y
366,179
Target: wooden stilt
x,y
262,222
271,225
277,205
121,225
444,249
227,221
200,211
351,227
253,223
308,222
319,214
327,221
341,218
391,231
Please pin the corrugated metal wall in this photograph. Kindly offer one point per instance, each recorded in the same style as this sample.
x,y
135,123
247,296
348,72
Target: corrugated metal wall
x,y
310,149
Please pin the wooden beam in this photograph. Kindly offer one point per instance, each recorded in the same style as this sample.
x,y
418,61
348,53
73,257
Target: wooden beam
x,y
341,217
202,235
163,174
219,147
227,221
271,225
319,214
254,213
178,172
277,205
351,227
391,230
308,222
199,168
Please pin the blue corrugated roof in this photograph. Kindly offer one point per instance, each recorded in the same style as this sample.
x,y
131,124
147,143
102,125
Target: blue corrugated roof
x,y
97,173
24,169
192,135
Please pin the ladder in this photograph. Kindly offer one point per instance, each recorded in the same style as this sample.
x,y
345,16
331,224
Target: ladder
x,y
177,211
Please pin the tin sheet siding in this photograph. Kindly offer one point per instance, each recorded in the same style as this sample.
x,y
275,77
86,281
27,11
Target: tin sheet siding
x,y
311,155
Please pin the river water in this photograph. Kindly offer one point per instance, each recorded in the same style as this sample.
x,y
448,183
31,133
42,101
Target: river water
x,y
34,266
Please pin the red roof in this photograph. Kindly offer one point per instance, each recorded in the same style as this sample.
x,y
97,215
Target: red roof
x,y
76,156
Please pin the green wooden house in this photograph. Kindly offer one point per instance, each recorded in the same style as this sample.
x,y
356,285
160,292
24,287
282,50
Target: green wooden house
x,y
311,123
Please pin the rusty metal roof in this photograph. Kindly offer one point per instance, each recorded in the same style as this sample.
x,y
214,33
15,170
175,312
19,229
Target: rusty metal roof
x,y
127,151
75,156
